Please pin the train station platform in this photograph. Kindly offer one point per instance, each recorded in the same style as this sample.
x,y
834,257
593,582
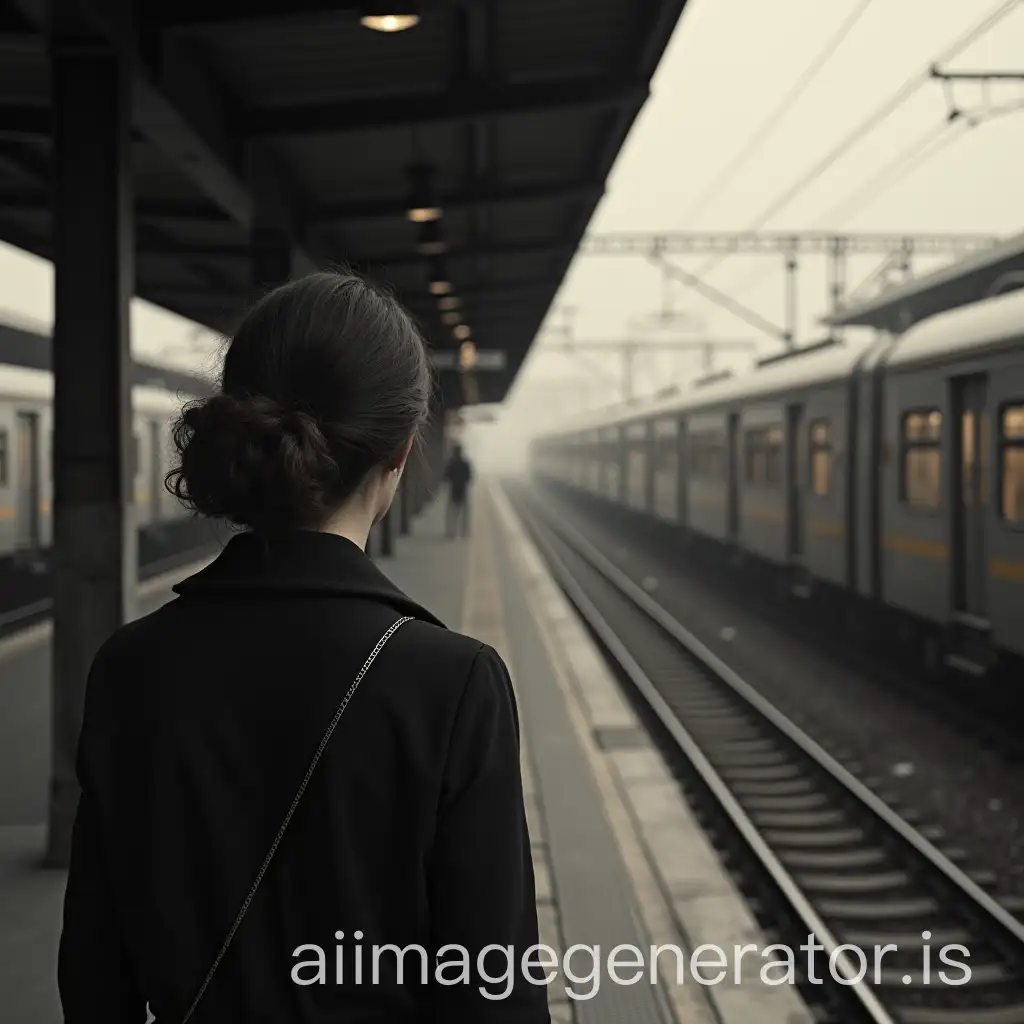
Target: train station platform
x,y
620,859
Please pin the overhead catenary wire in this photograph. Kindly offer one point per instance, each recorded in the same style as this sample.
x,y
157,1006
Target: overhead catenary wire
x,y
775,118
909,160
920,151
870,123
862,131
923,149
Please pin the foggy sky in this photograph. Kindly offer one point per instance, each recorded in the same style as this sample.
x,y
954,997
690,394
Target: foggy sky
x,y
725,71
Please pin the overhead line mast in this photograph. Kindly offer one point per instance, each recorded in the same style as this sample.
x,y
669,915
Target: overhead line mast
x,y
897,250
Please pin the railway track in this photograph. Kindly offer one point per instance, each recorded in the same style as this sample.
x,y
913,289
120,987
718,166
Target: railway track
x,y
895,913
991,718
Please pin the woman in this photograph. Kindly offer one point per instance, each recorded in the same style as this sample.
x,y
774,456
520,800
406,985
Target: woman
x,y
202,720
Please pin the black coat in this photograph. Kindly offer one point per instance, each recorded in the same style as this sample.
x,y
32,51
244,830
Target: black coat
x,y
200,722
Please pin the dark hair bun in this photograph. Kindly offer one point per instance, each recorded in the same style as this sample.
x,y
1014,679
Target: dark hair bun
x,y
253,463
326,378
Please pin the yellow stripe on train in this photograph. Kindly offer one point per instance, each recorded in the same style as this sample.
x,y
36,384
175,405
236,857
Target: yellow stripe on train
x,y
1006,569
917,547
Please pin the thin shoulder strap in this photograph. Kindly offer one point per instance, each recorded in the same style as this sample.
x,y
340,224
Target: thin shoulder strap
x,y
291,811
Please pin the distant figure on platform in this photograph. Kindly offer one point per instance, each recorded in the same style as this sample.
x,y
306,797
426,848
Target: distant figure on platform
x,y
240,842
458,473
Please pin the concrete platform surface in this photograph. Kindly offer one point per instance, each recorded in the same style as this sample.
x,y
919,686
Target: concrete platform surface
x,y
683,895
618,856
31,896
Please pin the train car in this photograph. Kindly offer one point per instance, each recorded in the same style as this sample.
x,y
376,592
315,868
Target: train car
x,y
951,476
766,452
668,452
890,471
26,397
636,443
26,441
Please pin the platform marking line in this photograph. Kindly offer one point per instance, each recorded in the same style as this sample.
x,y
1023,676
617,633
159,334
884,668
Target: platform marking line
x,y
704,900
37,634
689,1004
483,618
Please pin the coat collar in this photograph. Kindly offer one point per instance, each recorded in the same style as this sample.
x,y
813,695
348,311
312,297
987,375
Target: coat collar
x,y
301,562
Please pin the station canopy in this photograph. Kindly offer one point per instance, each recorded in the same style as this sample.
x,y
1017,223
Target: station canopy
x,y
503,115
976,277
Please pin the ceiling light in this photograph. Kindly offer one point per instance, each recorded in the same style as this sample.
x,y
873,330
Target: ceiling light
x,y
423,206
424,214
462,332
451,319
439,281
388,15
449,302
467,355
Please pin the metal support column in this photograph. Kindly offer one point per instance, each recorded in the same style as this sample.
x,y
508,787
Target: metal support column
x,y
836,279
430,441
836,275
791,299
435,448
95,545
442,451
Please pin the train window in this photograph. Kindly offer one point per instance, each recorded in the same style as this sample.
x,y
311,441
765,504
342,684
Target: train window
x,y
707,456
922,427
3,458
666,450
763,452
1013,423
1011,455
821,457
922,458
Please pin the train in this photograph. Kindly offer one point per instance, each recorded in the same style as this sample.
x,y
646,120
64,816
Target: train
x,y
26,445
887,474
